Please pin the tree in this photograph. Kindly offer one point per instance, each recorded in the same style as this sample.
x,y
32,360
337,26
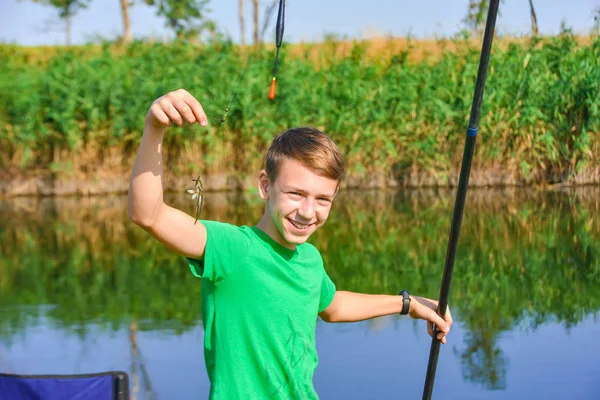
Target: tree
x,y
187,18
267,18
66,10
258,35
242,30
127,36
534,25
477,13
255,7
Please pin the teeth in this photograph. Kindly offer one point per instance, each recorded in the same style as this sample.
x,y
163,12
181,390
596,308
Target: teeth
x,y
297,225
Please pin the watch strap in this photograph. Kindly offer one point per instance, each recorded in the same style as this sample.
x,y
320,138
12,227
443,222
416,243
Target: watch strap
x,y
405,302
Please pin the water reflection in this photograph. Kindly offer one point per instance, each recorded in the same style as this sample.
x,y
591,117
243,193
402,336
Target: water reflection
x,y
526,259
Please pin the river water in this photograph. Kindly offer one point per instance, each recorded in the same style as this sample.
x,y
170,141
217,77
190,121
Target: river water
x,y
83,290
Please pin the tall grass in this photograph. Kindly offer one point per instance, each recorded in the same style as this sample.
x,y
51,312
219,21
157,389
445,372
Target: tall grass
x,y
540,116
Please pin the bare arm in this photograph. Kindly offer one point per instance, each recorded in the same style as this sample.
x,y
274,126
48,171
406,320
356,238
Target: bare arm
x,y
172,227
352,307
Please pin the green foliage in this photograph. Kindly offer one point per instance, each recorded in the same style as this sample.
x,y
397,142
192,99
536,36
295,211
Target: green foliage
x,y
477,13
66,8
540,115
187,18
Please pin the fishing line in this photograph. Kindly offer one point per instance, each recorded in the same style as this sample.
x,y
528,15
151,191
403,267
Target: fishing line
x,y
198,193
237,84
234,90
278,40
235,87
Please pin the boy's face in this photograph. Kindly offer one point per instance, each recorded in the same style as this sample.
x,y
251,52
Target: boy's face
x,y
297,203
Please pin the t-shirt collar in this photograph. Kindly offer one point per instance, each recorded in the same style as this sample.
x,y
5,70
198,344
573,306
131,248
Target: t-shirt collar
x,y
277,247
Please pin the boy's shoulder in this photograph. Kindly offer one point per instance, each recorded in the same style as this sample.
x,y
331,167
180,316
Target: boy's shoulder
x,y
218,224
224,226
227,232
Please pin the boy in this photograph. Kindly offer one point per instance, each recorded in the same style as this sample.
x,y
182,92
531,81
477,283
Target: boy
x,y
263,286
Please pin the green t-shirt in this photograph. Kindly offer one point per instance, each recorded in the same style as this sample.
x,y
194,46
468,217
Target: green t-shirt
x,y
260,302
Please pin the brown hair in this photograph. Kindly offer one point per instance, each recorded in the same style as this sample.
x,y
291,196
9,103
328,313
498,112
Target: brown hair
x,y
309,146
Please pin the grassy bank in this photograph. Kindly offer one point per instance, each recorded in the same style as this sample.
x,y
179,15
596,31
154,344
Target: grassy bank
x,y
393,108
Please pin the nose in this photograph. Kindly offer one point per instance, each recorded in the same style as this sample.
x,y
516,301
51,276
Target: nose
x,y
307,210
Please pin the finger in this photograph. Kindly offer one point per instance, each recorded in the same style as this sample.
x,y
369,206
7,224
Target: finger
x,y
171,112
196,108
441,337
184,110
160,115
448,317
441,325
430,328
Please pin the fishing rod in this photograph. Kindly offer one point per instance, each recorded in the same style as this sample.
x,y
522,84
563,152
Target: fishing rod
x,y
461,194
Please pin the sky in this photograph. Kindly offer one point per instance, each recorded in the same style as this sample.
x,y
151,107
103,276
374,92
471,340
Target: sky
x,y
27,23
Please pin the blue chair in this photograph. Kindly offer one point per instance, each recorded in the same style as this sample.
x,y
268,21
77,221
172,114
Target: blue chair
x,y
113,385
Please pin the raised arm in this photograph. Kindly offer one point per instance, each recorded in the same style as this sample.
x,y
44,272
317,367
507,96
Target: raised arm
x,y
172,227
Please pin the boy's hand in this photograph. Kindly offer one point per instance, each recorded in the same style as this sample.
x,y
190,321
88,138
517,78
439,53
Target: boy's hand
x,y
423,308
175,107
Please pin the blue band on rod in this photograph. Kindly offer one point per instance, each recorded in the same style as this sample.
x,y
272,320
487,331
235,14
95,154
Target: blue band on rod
x,y
472,131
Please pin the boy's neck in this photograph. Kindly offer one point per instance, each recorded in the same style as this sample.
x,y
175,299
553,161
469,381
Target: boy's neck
x,y
266,225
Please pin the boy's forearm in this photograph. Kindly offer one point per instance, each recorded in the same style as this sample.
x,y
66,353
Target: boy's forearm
x,y
145,187
352,307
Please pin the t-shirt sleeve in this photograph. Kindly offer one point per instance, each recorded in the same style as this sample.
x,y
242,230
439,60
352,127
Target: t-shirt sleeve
x,y
226,248
327,292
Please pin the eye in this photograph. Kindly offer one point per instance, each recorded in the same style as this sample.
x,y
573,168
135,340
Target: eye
x,y
324,200
295,194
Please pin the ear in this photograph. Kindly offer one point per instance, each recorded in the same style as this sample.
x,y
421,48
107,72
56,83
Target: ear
x,y
263,185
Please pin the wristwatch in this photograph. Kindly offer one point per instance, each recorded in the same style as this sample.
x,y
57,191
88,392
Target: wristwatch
x,y
405,302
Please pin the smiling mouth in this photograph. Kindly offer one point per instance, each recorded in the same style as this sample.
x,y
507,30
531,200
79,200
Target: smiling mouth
x,y
298,225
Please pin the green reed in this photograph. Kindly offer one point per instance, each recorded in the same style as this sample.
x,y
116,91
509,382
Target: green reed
x,y
540,116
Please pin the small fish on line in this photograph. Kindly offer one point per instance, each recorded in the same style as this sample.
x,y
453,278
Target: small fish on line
x,y
198,196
